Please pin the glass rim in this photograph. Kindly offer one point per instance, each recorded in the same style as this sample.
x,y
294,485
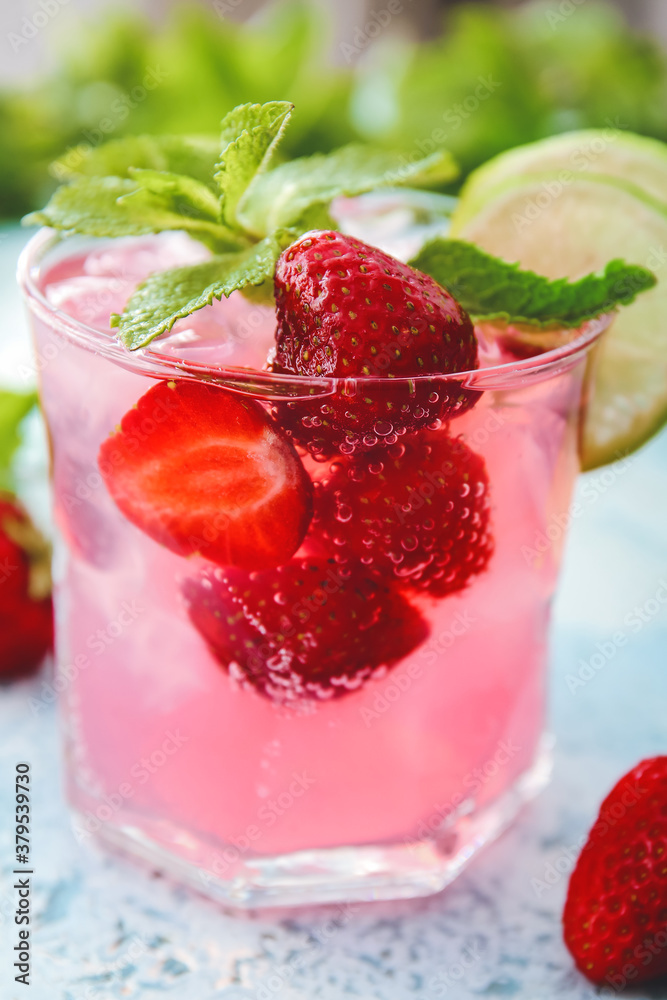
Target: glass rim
x,y
150,362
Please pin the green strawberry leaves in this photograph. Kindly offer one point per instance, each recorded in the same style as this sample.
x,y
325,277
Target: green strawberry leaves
x,y
489,288
168,296
14,407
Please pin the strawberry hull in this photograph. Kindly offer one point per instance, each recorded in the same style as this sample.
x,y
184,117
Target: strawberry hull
x,y
353,721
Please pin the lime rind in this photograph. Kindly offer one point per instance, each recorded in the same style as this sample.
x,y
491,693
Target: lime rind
x,y
608,152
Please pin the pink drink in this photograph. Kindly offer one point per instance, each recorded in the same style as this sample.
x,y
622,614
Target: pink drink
x,y
384,792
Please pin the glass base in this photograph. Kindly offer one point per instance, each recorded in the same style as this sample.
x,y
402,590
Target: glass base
x,y
342,874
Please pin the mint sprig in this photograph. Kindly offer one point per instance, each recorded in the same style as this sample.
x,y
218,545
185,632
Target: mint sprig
x,y
492,289
237,202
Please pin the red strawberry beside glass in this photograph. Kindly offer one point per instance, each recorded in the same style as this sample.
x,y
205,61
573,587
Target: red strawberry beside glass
x,y
26,613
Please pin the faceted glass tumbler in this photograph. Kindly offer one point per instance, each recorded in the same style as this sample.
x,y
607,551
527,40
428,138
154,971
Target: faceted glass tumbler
x,y
387,787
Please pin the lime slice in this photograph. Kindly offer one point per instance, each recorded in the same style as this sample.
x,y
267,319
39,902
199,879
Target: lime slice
x,y
610,152
569,229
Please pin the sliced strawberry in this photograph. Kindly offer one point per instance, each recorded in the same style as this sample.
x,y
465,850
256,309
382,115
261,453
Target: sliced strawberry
x,y
348,310
615,918
417,512
204,470
308,630
26,613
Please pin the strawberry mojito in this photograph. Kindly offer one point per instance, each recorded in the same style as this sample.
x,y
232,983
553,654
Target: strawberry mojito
x,y
298,484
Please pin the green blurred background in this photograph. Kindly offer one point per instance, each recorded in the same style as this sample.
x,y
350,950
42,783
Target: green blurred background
x,y
476,78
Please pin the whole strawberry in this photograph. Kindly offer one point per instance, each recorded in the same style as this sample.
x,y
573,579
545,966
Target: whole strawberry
x,y
615,918
26,613
417,512
348,310
307,631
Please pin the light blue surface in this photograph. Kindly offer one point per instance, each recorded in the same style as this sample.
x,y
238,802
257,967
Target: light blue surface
x,y
108,929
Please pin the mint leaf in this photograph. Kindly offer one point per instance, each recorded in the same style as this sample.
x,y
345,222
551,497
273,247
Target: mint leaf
x,y
114,206
170,295
250,135
280,197
195,156
14,406
490,288
187,195
316,216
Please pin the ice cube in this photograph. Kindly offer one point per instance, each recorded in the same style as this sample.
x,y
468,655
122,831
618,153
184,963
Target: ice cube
x,y
90,300
397,221
135,258
232,332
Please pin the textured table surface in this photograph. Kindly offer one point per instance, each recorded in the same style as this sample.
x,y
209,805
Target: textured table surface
x,y
105,928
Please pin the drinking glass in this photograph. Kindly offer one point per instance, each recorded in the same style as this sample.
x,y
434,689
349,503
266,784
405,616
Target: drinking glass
x,y
388,787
